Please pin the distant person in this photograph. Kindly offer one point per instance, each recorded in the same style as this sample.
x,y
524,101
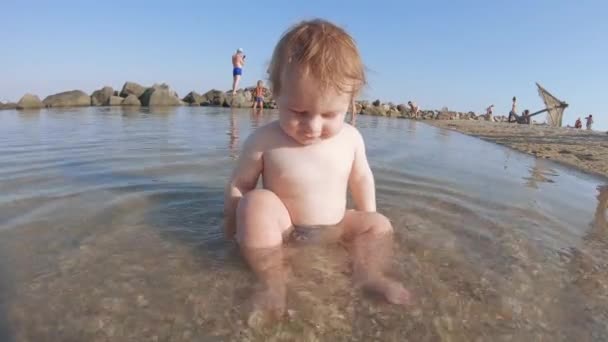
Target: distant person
x,y
259,95
578,124
238,60
414,108
513,112
589,121
489,112
526,116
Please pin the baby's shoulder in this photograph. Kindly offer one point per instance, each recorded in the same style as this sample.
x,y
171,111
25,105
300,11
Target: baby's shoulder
x,y
351,135
264,137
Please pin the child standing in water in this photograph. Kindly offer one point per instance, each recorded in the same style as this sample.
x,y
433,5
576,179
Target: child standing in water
x,y
258,95
308,159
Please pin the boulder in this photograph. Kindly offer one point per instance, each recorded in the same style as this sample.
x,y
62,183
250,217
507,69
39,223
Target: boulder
x,y
402,108
194,98
364,104
393,112
374,110
159,95
214,97
101,96
132,88
29,101
242,99
73,98
114,101
130,100
8,105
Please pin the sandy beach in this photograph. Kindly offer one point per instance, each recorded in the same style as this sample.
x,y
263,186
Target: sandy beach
x,y
582,149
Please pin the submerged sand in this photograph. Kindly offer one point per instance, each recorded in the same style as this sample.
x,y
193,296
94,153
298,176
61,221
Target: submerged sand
x,y
583,149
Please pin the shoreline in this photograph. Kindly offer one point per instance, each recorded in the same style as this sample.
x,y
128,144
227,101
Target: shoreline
x,y
585,151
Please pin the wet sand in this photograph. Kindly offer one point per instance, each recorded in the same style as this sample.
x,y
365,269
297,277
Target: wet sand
x,y
585,150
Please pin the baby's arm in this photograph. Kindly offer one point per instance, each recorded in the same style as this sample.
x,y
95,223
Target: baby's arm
x,y
361,180
243,179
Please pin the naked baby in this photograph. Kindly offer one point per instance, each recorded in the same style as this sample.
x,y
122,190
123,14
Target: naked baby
x,y
308,159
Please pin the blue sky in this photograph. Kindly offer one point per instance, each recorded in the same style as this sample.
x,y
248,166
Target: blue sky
x,y
464,55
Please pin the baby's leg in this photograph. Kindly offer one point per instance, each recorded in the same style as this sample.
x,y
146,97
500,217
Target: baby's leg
x,y
262,219
369,237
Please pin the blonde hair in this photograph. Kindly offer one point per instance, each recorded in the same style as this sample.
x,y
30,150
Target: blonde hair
x,y
322,50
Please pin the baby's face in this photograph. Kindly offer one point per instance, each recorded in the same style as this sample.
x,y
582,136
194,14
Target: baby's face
x,y
307,114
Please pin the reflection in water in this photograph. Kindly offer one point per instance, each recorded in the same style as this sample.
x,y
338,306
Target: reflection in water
x,y
600,227
255,117
444,135
163,110
233,142
29,113
539,173
411,127
111,230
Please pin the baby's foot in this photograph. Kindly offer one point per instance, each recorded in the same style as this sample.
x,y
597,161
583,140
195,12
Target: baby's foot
x,y
392,290
268,306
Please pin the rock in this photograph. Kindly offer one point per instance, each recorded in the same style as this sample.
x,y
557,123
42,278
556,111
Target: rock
x,y
8,105
160,95
130,100
114,101
215,97
101,96
358,108
29,101
374,110
242,99
376,103
393,112
402,108
363,104
270,104
73,98
194,98
132,88
116,93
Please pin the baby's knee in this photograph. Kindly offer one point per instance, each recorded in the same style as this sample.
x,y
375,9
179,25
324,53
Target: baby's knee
x,y
261,219
256,199
381,224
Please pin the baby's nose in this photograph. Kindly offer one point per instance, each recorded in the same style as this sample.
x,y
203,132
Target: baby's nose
x,y
315,125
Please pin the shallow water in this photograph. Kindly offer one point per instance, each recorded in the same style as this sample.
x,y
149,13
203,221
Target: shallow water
x,y
110,229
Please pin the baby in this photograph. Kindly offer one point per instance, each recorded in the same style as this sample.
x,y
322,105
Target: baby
x,y
308,159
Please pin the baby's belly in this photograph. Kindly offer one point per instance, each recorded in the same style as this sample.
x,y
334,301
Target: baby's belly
x,y
310,210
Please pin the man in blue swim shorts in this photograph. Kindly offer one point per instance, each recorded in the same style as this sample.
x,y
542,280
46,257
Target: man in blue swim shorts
x,y
238,60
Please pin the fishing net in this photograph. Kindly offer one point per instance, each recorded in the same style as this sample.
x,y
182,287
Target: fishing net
x,y
555,107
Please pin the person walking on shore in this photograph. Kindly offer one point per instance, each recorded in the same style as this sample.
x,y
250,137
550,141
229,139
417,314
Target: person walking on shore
x,y
414,108
589,121
489,112
238,60
513,112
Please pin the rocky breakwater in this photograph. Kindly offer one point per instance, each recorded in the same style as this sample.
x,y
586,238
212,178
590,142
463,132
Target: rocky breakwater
x,y
134,94
377,108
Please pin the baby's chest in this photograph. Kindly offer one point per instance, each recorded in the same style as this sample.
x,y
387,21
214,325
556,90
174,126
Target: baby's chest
x,y
297,167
